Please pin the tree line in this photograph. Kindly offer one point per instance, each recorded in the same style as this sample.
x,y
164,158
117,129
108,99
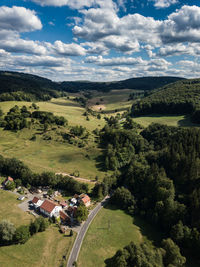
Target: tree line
x,y
23,175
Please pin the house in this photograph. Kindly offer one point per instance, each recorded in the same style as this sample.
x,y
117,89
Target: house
x,y
85,199
9,179
50,209
64,217
37,202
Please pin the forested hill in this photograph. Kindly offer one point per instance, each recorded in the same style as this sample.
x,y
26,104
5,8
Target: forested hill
x,y
21,86
143,83
182,97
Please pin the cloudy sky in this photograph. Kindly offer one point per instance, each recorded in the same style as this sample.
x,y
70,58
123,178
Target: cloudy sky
x,y
100,40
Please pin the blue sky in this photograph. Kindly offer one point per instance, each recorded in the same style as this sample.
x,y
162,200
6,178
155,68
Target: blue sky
x,y
100,40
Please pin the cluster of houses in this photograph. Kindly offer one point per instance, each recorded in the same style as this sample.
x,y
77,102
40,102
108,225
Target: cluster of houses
x,y
66,211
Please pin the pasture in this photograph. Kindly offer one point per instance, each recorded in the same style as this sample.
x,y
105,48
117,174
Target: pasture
x,y
111,230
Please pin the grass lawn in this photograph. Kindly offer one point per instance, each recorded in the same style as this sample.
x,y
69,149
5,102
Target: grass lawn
x,y
111,230
9,209
180,120
44,249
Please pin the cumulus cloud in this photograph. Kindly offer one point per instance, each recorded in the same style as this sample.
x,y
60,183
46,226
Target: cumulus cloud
x,y
23,46
75,4
114,61
182,26
18,19
164,3
69,49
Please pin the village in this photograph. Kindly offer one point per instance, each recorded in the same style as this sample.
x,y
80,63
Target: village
x,y
49,203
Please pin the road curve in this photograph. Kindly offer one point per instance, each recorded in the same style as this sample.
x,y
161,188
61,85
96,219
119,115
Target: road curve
x,y
79,239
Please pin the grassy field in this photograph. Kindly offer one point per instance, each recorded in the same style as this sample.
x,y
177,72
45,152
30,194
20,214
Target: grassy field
x,y
180,120
41,155
44,249
9,209
111,230
67,108
111,101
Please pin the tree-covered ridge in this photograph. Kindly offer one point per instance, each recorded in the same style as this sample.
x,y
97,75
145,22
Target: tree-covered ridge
x,y
27,87
143,83
182,97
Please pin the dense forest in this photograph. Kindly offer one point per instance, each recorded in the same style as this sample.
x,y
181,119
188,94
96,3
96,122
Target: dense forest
x,y
144,83
157,176
26,87
181,97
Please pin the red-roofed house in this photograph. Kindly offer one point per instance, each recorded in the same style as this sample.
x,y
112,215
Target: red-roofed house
x,y
50,209
37,202
85,199
9,179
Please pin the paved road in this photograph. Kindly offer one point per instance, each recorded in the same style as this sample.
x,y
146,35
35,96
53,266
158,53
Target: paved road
x,y
79,239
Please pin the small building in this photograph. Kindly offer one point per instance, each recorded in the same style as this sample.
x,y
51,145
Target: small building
x,y
8,180
85,199
50,209
37,202
64,217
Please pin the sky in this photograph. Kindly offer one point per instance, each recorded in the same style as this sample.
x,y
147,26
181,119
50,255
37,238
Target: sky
x,y
100,40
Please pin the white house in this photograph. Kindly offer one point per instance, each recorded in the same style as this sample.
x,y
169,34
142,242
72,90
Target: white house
x,y
37,202
50,209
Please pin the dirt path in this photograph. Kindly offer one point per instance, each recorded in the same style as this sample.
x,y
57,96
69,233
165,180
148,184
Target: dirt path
x,y
76,178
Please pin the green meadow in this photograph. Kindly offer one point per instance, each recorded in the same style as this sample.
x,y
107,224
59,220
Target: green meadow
x,y
44,249
112,229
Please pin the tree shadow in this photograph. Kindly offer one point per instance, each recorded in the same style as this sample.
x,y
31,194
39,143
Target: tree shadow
x,y
186,122
100,164
149,231
66,104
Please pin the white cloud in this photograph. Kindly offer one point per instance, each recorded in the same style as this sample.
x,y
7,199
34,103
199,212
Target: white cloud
x,y
116,61
182,25
164,3
19,19
17,45
68,49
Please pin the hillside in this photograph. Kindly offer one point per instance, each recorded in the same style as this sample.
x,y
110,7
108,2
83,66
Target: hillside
x,y
182,97
21,86
143,83
28,87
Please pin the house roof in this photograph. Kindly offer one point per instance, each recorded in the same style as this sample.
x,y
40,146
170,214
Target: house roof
x,y
85,198
9,179
63,215
35,200
48,206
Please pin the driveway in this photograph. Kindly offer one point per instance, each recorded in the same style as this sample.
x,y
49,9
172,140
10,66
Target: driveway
x,y
24,205
84,227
